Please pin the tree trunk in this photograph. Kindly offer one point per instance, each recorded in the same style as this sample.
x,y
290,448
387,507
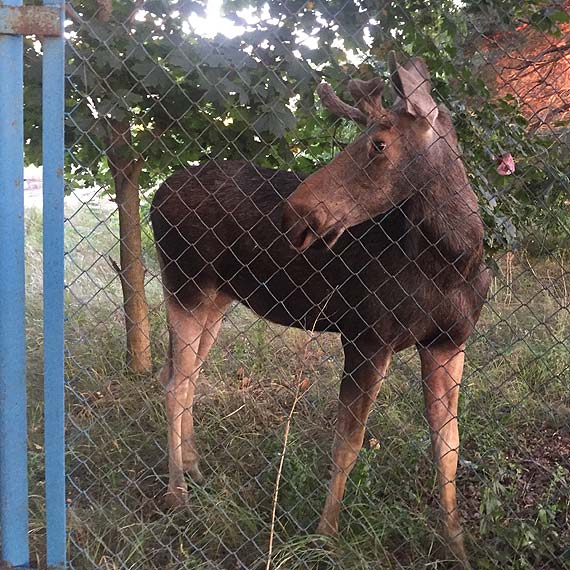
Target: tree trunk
x,y
126,171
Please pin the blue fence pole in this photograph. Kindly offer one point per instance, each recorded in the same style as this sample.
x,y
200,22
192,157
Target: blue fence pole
x,y
53,246
13,428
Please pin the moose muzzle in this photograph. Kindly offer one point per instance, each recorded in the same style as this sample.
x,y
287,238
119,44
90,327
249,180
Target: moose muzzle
x,y
308,222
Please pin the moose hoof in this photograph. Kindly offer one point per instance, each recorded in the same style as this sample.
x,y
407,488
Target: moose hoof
x,y
176,499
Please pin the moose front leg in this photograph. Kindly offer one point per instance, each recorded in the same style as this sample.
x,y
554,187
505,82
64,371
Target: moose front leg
x,y
363,375
442,370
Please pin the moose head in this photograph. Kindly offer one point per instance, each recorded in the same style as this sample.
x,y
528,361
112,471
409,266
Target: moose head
x,y
397,155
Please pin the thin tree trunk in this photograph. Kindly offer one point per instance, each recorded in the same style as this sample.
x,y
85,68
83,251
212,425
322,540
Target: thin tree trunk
x,y
126,171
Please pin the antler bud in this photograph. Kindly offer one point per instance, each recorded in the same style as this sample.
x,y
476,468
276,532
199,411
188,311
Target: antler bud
x,y
368,95
338,107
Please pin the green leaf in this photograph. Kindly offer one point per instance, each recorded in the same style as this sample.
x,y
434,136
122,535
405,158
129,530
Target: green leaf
x,y
179,59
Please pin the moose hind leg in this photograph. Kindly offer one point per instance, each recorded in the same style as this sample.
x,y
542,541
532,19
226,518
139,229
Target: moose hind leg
x,y
185,327
190,456
363,375
442,370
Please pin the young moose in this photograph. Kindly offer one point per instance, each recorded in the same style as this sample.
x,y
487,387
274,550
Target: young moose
x,y
382,245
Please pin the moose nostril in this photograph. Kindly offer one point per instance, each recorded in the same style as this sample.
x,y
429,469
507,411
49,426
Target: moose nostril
x,y
289,218
303,239
302,228
315,220
299,233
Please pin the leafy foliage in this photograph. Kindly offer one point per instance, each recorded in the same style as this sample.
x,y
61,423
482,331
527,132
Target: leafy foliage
x,y
192,98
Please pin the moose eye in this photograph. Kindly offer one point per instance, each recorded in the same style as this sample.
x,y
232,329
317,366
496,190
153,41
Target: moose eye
x,y
378,147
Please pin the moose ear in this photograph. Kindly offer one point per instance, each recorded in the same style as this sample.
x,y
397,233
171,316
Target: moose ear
x,y
413,87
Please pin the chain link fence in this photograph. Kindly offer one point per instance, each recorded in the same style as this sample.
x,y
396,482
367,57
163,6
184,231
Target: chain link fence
x,y
154,87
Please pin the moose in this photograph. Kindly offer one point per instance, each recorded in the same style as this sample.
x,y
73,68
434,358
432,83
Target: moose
x,y
384,245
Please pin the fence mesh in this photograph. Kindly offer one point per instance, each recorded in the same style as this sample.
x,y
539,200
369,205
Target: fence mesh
x,y
158,87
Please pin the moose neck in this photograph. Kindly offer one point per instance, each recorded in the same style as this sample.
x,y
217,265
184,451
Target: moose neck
x,y
448,235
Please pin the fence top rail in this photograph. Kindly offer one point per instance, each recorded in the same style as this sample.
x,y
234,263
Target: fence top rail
x,y
30,20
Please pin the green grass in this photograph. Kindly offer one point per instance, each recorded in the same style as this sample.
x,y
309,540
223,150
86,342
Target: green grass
x,y
514,477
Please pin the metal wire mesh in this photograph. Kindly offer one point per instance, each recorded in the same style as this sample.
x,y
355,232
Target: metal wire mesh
x,y
155,88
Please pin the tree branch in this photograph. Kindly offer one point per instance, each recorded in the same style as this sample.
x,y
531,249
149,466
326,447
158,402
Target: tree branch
x,y
537,59
72,13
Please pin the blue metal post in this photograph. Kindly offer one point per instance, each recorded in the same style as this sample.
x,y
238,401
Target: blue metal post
x,y
13,428
53,217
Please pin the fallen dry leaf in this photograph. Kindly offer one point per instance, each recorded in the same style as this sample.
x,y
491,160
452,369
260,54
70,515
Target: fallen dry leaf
x,y
373,443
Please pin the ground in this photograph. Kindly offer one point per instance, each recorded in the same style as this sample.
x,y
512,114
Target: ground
x,y
514,478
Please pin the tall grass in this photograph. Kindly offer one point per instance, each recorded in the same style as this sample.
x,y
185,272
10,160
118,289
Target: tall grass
x,y
514,475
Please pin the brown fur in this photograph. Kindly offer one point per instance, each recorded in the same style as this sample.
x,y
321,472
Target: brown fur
x,y
387,252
